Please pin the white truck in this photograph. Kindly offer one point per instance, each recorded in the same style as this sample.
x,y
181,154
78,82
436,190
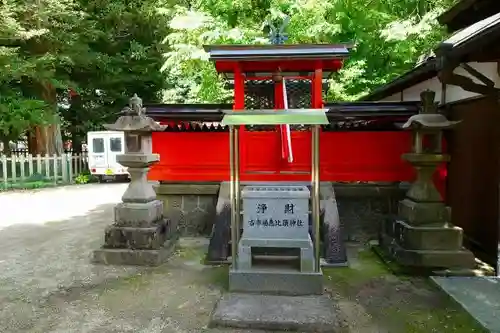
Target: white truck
x,y
103,146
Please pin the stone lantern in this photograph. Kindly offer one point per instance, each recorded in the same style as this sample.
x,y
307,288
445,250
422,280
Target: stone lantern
x,y
427,151
422,235
140,235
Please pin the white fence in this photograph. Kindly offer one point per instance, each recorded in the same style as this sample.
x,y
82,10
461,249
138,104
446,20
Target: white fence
x,y
20,167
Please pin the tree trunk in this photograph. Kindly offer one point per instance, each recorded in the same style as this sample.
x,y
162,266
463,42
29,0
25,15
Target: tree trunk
x,y
47,138
6,146
76,142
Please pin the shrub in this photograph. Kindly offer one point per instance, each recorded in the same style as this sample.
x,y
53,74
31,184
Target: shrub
x,y
85,177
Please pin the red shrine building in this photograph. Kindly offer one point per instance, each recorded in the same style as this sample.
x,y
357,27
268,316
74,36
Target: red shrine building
x,y
360,149
365,146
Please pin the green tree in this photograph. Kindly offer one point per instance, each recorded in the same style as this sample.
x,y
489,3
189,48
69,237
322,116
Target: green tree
x,y
389,36
20,108
119,53
101,51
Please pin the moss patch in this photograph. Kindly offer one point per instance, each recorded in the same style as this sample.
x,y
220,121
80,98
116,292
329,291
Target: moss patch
x,y
396,303
448,319
366,267
190,253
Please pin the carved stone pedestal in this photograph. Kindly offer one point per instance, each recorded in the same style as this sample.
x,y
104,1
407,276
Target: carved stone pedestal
x,y
140,235
138,241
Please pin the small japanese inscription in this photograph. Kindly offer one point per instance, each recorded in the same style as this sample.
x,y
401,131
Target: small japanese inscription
x,y
288,208
275,212
286,223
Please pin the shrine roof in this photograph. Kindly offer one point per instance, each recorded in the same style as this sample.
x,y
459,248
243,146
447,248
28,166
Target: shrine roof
x,y
476,43
215,112
205,112
273,52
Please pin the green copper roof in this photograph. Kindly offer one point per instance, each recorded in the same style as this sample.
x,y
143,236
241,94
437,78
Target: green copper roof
x,y
276,117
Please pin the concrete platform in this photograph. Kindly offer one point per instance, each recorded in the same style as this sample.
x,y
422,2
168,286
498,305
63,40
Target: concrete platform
x,y
269,312
276,281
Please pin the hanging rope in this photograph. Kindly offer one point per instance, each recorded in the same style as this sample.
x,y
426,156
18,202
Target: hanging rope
x,y
286,128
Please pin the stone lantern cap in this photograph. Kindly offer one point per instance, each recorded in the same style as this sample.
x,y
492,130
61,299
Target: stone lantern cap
x,y
429,121
429,118
134,119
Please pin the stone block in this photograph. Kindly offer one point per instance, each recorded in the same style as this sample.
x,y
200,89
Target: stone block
x,y
276,281
134,257
427,237
244,257
307,259
129,214
218,249
362,207
456,259
187,189
151,238
195,214
418,213
334,247
192,205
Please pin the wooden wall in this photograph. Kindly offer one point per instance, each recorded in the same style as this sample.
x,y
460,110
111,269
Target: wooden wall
x,y
473,173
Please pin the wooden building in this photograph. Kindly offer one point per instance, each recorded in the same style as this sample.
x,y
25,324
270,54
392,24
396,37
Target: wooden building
x,y
464,71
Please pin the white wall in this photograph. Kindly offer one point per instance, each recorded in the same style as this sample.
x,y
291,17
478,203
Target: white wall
x,y
453,93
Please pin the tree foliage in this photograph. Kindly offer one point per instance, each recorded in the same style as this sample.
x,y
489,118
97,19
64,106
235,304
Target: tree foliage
x,y
389,36
101,51
105,51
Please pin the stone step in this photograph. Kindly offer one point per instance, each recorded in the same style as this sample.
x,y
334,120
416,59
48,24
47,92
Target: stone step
x,y
283,313
276,280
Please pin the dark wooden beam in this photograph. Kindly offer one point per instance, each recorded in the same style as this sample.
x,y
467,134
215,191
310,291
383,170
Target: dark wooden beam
x,y
468,12
466,83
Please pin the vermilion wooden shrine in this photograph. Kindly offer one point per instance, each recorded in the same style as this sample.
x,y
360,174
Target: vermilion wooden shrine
x,y
363,141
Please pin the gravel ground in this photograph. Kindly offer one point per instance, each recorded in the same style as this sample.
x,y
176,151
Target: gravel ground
x,y
48,285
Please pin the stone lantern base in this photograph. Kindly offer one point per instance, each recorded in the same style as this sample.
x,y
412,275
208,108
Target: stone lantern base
x,y
139,236
431,246
421,235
